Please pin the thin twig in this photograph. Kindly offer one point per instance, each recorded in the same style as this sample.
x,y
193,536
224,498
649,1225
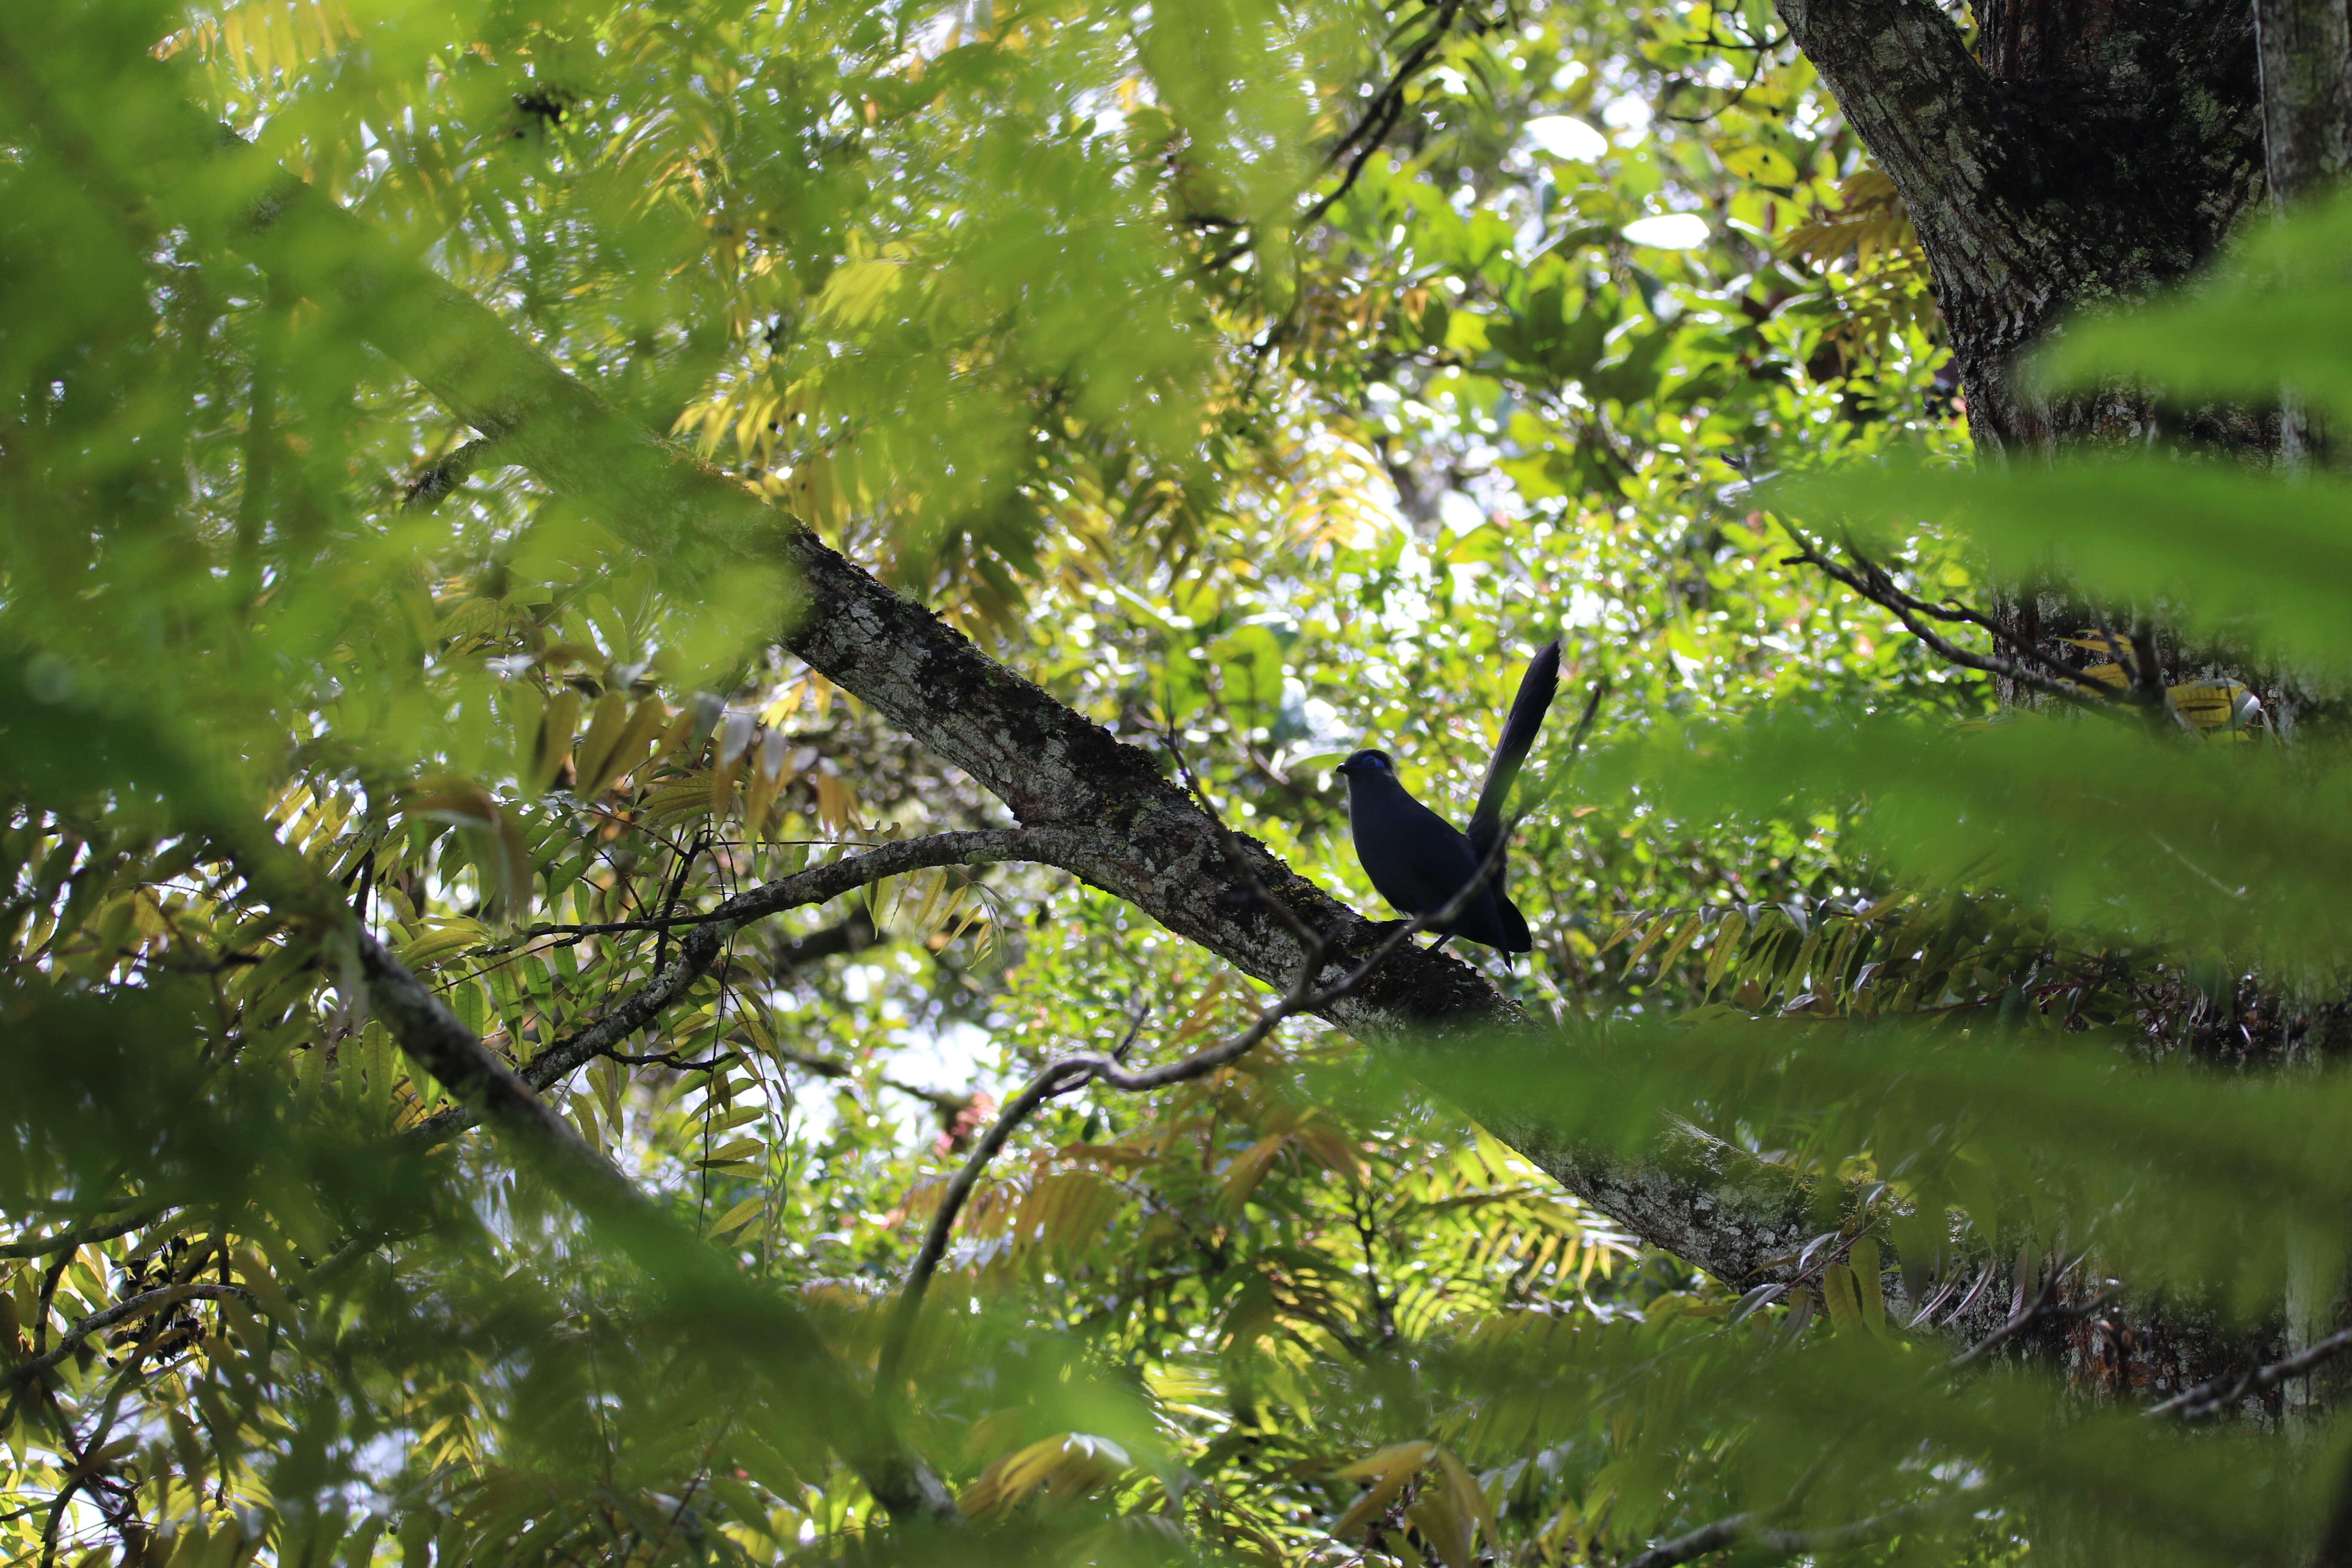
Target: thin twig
x,y
677,888
2040,1310
1070,1073
2083,692
700,948
1749,1529
1380,116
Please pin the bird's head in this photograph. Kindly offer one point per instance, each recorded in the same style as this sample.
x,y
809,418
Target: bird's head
x,y
1366,762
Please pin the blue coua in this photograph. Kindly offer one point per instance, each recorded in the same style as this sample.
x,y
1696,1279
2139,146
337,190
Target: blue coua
x,y
1417,859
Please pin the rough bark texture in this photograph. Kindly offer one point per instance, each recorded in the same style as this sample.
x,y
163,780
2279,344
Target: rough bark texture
x,y
2304,47
2090,151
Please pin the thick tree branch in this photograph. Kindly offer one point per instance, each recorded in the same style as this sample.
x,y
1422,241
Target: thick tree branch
x,y
2085,154
2220,1392
1932,118
1072,1073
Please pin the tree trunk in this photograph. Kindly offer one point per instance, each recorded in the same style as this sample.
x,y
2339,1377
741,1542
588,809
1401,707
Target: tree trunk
x,y
2090,151
2086,154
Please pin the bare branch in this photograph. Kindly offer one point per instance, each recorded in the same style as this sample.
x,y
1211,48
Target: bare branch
x,y
2043,1309
1873,584
1381,115
1102,810
701,947
2220,1392
1749,1529
1070,1073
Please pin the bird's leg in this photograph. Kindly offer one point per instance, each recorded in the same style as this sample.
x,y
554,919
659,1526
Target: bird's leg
x,y
1441,941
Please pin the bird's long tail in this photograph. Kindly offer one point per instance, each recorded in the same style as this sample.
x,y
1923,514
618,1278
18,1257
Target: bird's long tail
x,y
1536,688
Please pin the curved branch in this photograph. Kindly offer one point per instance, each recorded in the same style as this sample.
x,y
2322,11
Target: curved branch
x,y
1751,1529
1072,1073
1381,115
2217,1394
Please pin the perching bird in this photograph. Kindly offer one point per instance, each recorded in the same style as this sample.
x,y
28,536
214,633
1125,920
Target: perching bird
x,y
1416,858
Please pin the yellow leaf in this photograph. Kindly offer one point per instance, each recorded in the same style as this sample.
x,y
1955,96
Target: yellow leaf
x,y
1728,935
1866,1271
442,938
556,723
1761,166
605,727
1842,1295
1250,1166
1444,1526
689,797
1683,939
1407,1456
833,806
674,740
1065,1465
748,1208
1658,928
1388,1471
857,291
1469,1496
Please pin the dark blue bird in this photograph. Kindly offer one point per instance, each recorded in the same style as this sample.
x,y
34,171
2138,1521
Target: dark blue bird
x,y
1416,858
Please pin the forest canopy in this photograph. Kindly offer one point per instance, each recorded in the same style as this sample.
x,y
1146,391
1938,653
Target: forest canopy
x,y
671,874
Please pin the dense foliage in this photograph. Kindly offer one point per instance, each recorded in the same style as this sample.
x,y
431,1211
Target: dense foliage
x,y
1255,378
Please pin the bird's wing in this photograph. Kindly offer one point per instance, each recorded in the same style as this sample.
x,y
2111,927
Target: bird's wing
x,y
1527,716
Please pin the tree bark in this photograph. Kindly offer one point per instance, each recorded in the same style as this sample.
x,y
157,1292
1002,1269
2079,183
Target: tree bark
x,y
2090,151
2305,51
